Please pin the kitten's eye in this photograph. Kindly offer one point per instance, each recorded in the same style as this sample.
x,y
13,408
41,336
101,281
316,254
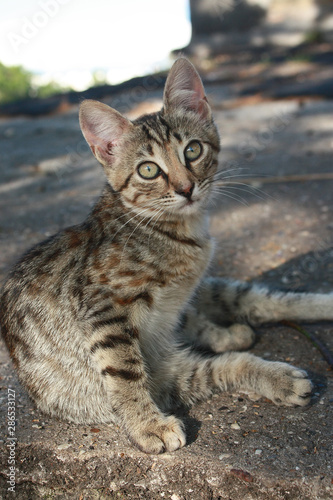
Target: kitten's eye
x,y
193,151
149,170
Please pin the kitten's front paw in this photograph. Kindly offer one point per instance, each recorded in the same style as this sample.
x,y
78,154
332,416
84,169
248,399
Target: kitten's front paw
x,y
287,385
159,435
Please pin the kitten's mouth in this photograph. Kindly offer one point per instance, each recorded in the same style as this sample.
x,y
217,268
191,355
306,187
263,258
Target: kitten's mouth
x,y
189,206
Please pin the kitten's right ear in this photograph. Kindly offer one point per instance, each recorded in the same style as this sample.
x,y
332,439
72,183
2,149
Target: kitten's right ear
x,y
102,128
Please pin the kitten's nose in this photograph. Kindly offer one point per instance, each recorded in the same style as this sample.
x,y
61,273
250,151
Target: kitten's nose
x,y
186,191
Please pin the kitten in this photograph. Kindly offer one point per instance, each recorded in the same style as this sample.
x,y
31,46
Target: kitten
x,y
94,316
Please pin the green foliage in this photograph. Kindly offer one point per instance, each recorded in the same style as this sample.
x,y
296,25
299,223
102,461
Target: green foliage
x,y
48,89
15,83
98,78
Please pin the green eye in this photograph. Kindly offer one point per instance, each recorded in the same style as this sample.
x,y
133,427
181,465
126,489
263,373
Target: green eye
x,y
193,151
149,170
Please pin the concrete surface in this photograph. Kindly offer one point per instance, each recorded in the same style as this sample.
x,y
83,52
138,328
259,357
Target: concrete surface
x,y
280,233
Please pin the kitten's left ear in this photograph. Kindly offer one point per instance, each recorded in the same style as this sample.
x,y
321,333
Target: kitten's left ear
x,y
184,90
102,127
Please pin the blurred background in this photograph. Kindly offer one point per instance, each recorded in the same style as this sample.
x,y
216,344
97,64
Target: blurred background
x,y
55,46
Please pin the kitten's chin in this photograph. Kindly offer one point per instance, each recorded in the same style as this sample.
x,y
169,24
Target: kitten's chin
x,y
191,207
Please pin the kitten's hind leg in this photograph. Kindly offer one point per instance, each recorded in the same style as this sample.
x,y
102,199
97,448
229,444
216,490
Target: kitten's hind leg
x,y
257,304
202,332
193,376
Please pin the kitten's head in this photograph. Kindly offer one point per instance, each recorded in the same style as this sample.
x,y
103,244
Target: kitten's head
x,y
160,162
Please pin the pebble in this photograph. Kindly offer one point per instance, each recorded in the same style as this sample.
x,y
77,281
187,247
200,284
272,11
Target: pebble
x,y
235,426
64,446
258,452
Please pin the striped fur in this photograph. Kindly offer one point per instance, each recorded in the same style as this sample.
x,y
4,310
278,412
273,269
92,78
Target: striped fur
x,y
92,317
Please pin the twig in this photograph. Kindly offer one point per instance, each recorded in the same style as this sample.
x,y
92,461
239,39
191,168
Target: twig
x,y
284,178
315,341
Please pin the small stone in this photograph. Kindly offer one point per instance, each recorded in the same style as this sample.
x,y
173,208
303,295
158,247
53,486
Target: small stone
x,y
258,452
64,446
235,426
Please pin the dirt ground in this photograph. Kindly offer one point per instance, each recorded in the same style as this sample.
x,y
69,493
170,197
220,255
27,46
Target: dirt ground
x,y
276,226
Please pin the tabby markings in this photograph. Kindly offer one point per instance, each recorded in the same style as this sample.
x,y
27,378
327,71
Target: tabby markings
x,y
185,241
109,322
121,373
124,186
110,342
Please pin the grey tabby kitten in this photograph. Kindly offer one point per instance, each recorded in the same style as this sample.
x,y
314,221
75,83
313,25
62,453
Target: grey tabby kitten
x,y
94,316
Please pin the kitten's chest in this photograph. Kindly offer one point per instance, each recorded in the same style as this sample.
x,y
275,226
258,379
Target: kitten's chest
x,y
170,299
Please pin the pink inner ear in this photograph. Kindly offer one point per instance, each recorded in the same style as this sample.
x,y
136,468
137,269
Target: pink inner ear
x,y
102,128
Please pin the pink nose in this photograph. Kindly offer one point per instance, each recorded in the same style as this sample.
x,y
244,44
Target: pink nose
x,y
186,191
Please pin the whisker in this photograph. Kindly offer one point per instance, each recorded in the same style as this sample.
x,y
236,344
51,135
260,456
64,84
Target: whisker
x,y
247,190
160,212
246,176
136,227
234,169
220,172
233,197
134,217
131,210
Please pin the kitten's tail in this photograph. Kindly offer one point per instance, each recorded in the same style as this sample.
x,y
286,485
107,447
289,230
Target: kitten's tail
x,y
257,304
